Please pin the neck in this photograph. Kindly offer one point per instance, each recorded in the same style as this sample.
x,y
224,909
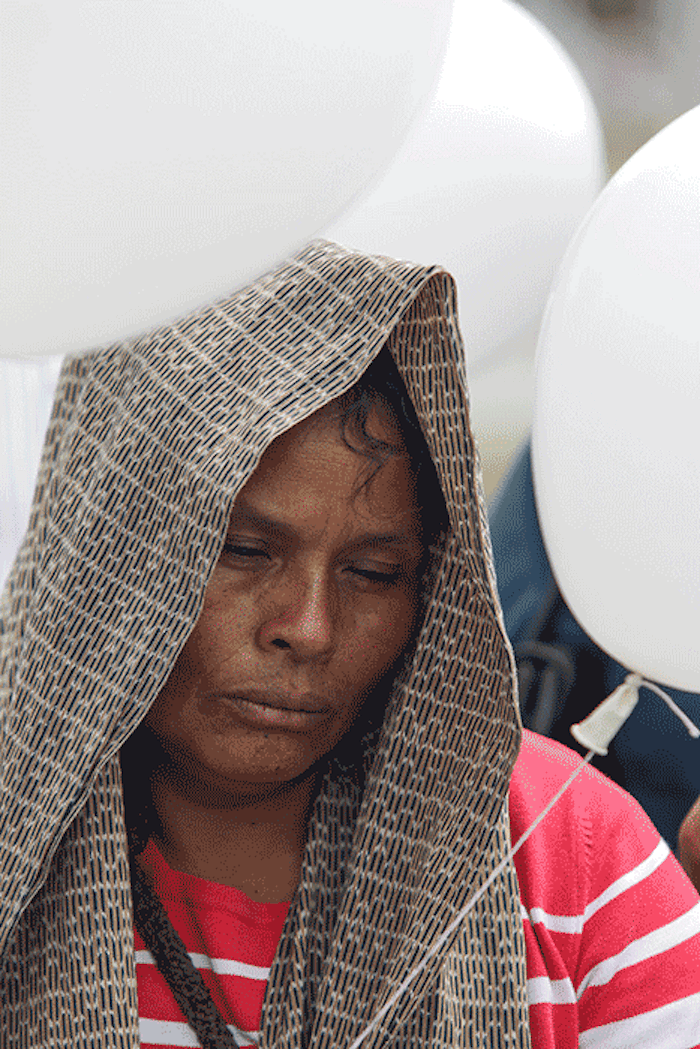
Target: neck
x,y
252,842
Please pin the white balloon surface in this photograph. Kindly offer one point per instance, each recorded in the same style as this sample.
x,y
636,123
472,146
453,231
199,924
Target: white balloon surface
x,y
156,155
26,395
616,442
494,178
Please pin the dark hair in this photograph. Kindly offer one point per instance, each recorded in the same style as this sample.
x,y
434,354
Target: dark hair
x,y
382,384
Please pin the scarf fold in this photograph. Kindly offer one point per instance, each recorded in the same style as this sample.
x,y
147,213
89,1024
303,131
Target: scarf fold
x,y
149,443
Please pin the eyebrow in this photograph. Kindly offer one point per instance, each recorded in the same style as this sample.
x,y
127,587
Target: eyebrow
x,y
265,522
269,523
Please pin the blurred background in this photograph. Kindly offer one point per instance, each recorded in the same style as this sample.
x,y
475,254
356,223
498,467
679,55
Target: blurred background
x,y
641,62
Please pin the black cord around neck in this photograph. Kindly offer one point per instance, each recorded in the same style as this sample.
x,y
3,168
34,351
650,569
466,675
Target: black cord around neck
x,y
174,963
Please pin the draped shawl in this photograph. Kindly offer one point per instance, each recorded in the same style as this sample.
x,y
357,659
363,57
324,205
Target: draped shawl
x,y
148,444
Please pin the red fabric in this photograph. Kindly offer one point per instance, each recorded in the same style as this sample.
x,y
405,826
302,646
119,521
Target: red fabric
x,y
220,925
612,925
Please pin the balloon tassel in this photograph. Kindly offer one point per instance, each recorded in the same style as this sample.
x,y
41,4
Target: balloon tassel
x,y
597,730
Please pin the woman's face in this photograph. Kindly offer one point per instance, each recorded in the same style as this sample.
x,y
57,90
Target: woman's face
x,y
313,600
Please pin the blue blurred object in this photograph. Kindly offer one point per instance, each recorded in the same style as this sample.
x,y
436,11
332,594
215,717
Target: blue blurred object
x,y
563,674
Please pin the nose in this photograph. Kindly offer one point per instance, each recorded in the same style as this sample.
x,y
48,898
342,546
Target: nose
x,y
302,616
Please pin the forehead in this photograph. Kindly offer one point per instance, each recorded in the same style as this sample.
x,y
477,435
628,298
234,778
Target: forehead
x,y
311,472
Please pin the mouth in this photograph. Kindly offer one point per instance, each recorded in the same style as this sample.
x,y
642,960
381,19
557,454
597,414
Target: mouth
x,y
272,709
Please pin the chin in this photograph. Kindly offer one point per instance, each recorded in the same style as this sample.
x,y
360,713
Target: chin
x,y
246,777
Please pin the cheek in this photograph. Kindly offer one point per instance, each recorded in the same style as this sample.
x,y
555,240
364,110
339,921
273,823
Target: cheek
x,y
383,633
195,671
217,641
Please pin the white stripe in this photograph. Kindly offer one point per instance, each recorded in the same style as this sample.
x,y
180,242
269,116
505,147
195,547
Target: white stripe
x,y
540,989
649,946
228,967
169,1032
571,923
633,877
574,923
221,966
672,1026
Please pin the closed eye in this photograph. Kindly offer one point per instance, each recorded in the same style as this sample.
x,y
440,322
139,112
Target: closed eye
x,y
374,576
245,550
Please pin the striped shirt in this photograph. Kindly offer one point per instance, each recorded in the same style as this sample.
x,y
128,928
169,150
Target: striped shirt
x,y
612,925
232,941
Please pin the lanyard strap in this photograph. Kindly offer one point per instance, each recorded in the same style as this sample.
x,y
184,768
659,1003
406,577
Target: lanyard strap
x,y
174,963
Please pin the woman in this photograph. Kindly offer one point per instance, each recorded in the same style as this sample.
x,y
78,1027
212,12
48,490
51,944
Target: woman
x,y
240,580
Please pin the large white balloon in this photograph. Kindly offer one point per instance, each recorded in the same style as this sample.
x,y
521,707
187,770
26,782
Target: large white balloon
x,y
155,155
616,446
495,177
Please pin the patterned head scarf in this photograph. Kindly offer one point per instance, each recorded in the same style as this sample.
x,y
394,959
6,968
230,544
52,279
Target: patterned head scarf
x,y
148,445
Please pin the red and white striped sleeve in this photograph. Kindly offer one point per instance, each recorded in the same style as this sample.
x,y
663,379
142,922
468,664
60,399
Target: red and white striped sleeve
x,y
612,923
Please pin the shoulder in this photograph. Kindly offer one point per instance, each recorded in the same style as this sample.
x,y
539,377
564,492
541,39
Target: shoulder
x,y
542,768
609,916
595,831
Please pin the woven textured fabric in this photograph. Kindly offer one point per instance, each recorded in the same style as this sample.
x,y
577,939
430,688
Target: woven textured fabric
x,y
148,445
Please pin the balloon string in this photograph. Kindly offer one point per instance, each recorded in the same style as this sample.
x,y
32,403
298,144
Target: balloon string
x,y
638,682
461,915
692,728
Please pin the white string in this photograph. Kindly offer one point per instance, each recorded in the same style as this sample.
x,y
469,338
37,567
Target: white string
x,y
457,921
692,728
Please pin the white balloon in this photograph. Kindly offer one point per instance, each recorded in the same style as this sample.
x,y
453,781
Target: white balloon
x,y
155,155
616,445
26,396
493,180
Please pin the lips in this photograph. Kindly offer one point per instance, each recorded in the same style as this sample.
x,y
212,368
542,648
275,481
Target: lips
x,y
271,709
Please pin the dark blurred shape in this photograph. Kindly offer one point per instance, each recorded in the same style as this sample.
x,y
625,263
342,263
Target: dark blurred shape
x,y
633,10
639,59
